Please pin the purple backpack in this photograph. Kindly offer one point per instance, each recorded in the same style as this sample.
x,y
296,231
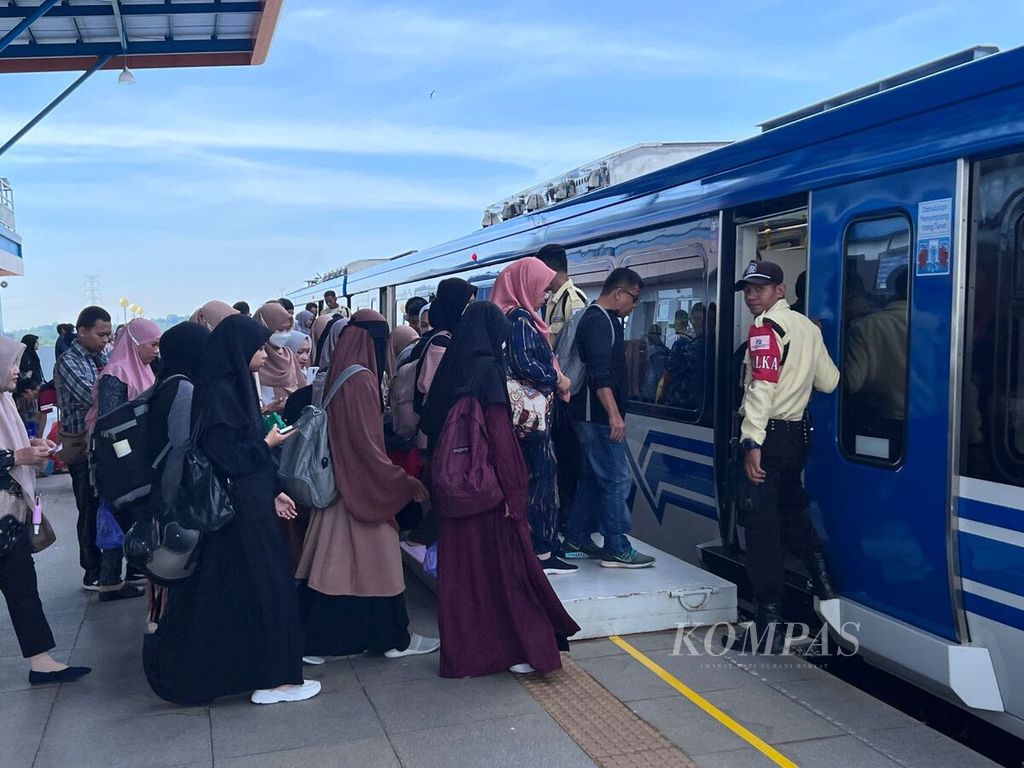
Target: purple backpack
x,y
462,472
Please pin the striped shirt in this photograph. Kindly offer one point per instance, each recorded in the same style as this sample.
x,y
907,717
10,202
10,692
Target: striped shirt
x,y
76,374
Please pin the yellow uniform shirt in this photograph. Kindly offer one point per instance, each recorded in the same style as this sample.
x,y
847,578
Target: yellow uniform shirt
x,y
562,305
782,370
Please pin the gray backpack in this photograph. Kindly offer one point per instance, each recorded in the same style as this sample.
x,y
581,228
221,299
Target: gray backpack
x,y
568,352
305,469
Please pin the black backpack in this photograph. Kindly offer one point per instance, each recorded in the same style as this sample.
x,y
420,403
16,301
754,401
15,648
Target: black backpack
x,y
122,469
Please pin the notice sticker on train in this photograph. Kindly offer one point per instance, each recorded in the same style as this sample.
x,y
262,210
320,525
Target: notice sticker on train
x,y
934,233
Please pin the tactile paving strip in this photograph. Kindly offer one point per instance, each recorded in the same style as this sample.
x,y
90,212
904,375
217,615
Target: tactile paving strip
x,y
604,727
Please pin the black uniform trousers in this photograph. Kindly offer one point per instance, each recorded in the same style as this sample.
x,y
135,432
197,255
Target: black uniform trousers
x,y
21,591
774,513
87,503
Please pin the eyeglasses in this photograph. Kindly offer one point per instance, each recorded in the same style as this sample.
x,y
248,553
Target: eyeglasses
x,y
634,296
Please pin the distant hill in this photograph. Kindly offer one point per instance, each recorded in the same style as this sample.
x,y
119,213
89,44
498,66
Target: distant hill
x,y
48,337
48,333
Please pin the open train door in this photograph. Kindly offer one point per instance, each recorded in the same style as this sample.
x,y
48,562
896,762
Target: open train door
x,y
884,282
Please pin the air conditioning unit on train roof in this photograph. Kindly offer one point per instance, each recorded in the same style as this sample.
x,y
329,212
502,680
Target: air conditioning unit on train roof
x,y
626,164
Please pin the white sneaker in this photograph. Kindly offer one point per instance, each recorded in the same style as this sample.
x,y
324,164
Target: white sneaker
x,y
316,661
307,690
418,645
521,669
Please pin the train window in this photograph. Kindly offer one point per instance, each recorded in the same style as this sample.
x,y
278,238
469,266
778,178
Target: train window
x,y
873,399
670,337
992,423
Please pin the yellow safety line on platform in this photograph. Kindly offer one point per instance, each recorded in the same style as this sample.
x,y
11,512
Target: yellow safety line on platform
x,y
752,739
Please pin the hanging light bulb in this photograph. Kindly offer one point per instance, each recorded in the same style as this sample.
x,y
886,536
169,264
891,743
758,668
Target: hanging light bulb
x,y
126,77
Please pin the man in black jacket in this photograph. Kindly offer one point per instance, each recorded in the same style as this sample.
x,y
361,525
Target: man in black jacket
x,y
598,413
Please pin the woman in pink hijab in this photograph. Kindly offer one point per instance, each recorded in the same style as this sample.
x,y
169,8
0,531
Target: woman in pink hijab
x,y
530,361
126,376
211,313
281,371
127,373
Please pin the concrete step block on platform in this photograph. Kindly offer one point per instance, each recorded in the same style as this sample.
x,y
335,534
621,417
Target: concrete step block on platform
x,y
622,601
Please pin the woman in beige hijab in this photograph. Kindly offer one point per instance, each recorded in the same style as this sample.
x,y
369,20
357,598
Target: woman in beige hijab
x,y
211,313
282,370
19,458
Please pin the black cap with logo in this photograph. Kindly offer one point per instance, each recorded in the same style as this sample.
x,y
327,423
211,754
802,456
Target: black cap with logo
x,y
760,273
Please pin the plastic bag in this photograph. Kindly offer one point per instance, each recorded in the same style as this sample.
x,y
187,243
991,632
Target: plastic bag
x,y
108,532
430,560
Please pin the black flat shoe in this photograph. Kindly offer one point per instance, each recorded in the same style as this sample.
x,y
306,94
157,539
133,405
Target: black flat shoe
x,y
67,675
124,593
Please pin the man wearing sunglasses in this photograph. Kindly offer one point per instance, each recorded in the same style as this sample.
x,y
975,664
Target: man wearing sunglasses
x,y
598,413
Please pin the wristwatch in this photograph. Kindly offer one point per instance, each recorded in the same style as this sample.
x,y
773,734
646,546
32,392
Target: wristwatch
x,y
749,445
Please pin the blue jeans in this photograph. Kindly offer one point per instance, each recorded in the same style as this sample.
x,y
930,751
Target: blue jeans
x,y
601,491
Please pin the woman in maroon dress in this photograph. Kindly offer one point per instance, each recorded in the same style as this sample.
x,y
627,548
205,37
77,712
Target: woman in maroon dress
x,y
496,609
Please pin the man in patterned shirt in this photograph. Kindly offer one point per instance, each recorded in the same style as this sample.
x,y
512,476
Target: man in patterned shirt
x,y
76,373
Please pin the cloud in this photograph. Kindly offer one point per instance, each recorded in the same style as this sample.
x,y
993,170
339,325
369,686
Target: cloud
x,y
406,38
543,150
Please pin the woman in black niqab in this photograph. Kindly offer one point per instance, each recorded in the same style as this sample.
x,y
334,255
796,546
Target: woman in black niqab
x,y
496,609
234,626
473,365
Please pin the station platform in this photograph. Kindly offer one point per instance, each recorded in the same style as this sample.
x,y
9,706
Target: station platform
x,y
620,601
633,700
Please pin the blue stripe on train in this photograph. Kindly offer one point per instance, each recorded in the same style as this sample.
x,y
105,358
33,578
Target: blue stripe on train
x,y
992,514
693,445
990,609
672,470
994,563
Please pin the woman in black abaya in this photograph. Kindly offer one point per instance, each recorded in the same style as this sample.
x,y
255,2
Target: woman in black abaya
x,y
260,645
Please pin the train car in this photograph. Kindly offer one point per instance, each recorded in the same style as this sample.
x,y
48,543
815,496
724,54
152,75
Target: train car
x,y
897,212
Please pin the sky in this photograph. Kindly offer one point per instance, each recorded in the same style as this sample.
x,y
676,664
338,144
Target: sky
x,y
239,183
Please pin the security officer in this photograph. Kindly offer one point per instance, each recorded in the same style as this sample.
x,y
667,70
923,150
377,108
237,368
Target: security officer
x,y
786,359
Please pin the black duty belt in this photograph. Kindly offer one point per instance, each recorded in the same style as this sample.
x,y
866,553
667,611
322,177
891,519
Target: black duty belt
x,y
778,425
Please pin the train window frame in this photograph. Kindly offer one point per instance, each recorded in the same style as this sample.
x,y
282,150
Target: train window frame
x,y
987,449
853,456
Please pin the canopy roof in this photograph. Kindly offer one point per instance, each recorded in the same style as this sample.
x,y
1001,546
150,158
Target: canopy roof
x,y
73,34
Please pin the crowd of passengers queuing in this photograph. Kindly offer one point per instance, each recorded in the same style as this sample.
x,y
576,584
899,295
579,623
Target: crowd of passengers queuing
x,y
508,471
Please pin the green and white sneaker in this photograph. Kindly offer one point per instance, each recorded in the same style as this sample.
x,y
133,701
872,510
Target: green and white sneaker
x,y
589,551
630,559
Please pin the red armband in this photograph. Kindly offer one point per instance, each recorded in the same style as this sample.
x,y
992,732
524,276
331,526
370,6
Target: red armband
x,y
765,354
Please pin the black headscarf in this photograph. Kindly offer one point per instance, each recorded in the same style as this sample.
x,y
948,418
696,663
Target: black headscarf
x,y
453,295
473,365
182,350
226,390
30,366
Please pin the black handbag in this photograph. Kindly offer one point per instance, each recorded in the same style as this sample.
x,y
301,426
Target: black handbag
x,y
202,502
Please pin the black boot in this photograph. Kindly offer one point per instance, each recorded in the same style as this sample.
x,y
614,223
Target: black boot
x,y
821,582
771,630
756,639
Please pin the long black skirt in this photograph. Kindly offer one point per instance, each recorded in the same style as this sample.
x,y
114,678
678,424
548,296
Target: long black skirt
x,y
345,625
208,643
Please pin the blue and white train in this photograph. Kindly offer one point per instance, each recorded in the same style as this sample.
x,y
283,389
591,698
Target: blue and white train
x,y
901,209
